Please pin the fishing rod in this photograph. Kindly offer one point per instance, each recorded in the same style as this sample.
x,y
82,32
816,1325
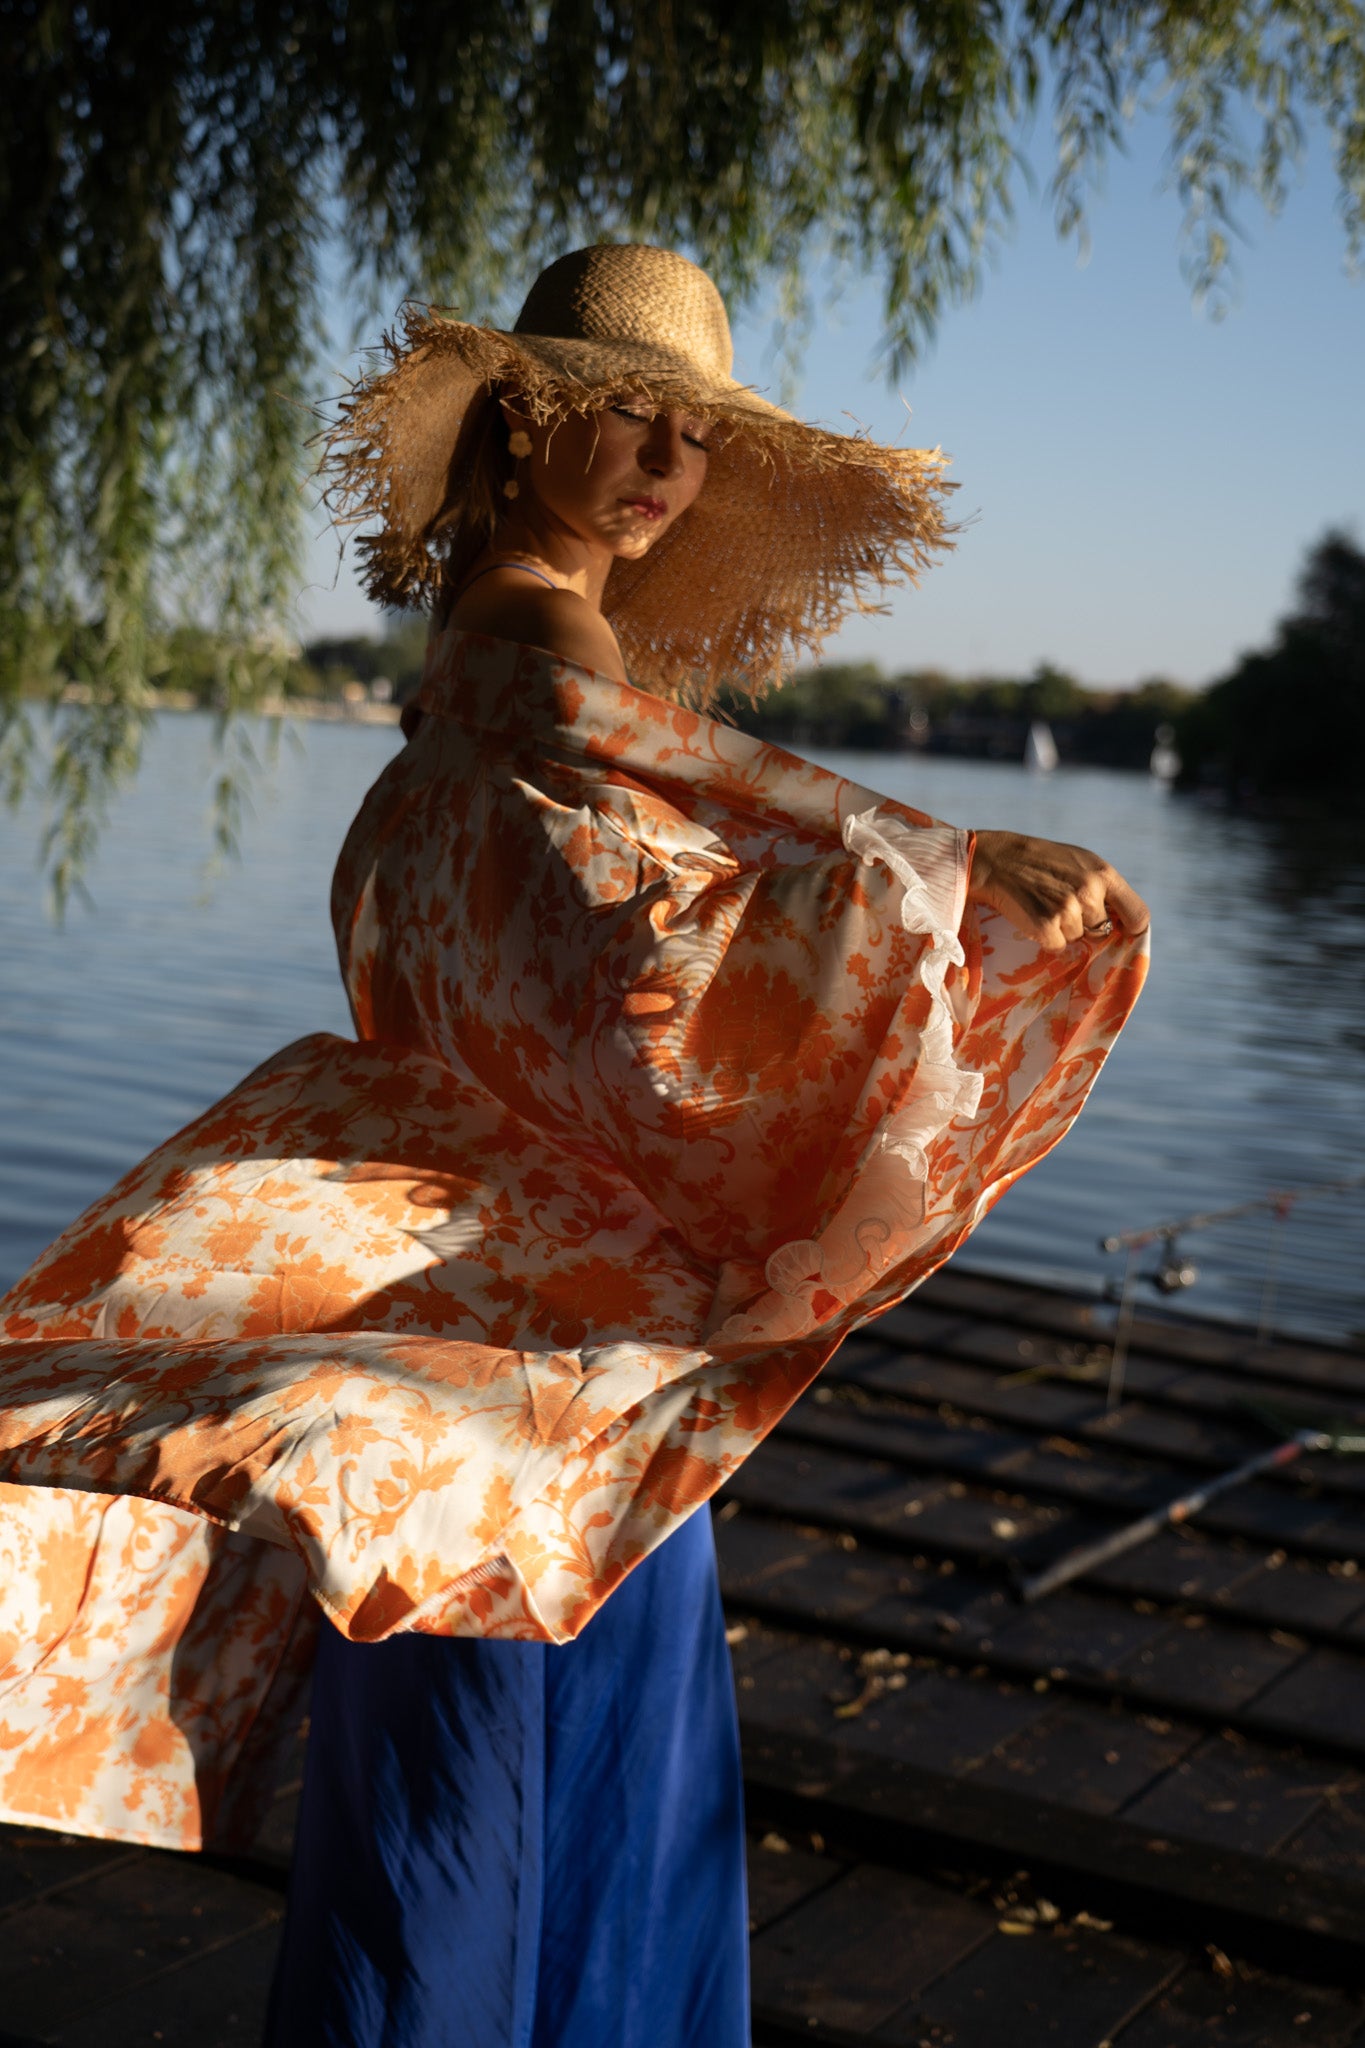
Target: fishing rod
x,y
1342,1438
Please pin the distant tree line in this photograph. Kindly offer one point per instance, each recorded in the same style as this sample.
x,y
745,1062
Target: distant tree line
x,y
1284,728
1289,722
852,704
326,665
203,664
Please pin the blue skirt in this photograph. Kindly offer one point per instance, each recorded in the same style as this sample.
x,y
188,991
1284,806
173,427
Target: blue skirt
x,y
512,1845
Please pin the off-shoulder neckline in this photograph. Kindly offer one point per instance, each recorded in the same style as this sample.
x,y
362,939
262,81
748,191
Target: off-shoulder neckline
x,y
546,654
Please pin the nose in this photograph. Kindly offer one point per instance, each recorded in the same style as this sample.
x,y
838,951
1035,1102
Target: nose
x,y
661,451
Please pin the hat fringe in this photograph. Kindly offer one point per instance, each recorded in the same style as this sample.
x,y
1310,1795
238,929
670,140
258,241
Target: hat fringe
x,y
795,528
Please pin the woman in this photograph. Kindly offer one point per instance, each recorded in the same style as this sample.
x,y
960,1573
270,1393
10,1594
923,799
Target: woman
x,y
677,1059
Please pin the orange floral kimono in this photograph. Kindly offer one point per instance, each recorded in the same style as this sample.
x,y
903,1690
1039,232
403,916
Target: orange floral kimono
x,y
678,1058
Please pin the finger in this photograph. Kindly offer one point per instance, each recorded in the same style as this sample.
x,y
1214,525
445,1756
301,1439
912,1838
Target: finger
x,y
1091,895
1048,933
1071,920
1125,906
1027,919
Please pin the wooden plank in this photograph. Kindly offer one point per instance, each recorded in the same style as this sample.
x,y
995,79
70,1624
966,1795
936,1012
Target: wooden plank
x,y
1248,2009
943,1724
1225,1578
1181,1565
1205,1671
1005,1349
1338,1535
977,1297
949,1723
821,1577
217,2000
799,1685
917,1321
1088,1756
1021,1378
776,2030
910,1438
1076,1631
1332,1373
1209,1391
1322,1697
984,1360
1236,1793
981,1297
986,1456
991,1526
1279,1520
781,1873
1210,1667
805,1568
1188,1567
751,1646
792,1479
34,1861
855,1954
1221,1669
1333,1837
1293,1593
1167,1413
900,1813
1050,1987
954,1618
1073,1471
1035,1404
115,1931
1202,1442
1079,1474
1304,1522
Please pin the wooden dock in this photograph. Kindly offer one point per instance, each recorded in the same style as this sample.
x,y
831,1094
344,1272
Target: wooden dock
x,y
1132,1814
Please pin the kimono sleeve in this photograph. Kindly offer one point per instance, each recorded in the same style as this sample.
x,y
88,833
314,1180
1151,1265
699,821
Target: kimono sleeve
x,y
789,1019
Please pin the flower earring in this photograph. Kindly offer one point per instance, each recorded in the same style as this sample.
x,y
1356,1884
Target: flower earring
x,y
519,442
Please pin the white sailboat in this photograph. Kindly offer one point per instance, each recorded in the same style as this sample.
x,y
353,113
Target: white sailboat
x,y
1165,761
1040,749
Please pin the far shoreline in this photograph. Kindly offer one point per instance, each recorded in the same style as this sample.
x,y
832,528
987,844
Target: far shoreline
x,y
324,710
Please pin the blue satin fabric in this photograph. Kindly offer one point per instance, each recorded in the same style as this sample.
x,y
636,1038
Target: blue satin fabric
x,y
511,1845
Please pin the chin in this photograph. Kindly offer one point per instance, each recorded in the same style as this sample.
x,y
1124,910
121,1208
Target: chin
x,y
631,546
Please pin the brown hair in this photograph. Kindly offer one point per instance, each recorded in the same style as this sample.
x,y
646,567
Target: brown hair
x,y
480,464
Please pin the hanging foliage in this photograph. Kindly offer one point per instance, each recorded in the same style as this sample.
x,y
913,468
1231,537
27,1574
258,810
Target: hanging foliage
x,y
174,179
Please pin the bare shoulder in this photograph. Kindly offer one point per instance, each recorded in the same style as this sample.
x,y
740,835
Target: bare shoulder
x,y
509,607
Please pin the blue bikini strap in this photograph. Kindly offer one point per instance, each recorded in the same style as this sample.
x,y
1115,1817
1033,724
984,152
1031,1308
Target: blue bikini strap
x,y
489,567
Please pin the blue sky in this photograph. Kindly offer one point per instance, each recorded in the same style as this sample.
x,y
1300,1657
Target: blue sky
x,y
1144,478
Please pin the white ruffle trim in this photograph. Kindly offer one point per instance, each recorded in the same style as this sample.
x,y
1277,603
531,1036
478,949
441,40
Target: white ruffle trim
x,y
930,863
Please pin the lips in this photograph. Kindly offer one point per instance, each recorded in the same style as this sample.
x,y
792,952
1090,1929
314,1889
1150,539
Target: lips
x,y
649,508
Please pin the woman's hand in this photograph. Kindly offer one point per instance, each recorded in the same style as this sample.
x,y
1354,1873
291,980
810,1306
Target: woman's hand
x,y
1052,894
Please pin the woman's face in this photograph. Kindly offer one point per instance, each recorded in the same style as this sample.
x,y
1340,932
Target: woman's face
x,y
617,478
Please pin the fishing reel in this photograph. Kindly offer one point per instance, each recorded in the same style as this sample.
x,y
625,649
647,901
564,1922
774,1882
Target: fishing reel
x,y
1174,1271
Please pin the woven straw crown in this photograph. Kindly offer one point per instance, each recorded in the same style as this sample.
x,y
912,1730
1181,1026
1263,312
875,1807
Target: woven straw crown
x,y
622,293
794,527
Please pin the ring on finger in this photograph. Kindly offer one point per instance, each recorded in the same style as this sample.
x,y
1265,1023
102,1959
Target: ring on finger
x,y
1100,930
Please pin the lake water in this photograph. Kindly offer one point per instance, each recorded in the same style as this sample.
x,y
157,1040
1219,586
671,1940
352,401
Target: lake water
x,y
1242,1071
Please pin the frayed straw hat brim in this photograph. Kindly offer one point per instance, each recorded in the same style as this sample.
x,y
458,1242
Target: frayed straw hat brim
x,y
795,526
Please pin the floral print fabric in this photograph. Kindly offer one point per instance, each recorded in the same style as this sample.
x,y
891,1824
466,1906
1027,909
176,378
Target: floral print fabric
x,y
677,1059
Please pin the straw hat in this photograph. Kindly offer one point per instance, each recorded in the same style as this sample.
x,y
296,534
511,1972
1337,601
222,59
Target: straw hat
x,y
794,527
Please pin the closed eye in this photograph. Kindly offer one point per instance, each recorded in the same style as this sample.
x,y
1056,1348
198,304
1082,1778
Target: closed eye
x,y
695,439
